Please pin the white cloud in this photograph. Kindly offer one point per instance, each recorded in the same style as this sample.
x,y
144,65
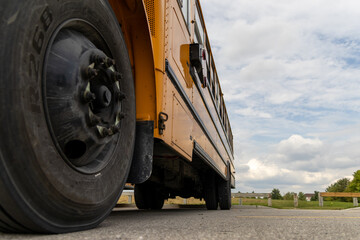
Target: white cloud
x,y
249,112
290,74
259,170
265,176
296,162
299,148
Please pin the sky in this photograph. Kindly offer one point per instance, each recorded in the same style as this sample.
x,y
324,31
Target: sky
x,y
290,74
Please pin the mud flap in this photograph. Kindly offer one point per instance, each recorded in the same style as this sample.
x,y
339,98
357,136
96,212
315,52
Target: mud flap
x,y
141,166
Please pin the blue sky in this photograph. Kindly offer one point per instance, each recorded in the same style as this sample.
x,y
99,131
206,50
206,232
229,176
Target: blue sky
x,y
290,73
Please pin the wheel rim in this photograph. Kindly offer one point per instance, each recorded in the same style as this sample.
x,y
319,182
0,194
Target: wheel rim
x,y
82,96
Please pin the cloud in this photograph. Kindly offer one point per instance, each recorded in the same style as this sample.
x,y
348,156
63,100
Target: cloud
x,y
265,176
288,53
259,170
249,112
295,162
299,148
264,37
289,72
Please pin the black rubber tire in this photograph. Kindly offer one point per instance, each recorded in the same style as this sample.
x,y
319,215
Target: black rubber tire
x,y
210,193
224,192
140,194
39,191
157,201
148,196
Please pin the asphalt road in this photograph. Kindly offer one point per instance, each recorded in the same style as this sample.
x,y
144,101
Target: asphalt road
x,y
241,222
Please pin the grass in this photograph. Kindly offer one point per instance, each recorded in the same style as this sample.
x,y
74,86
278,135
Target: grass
x,y
289,204
189,201
178,200
281,204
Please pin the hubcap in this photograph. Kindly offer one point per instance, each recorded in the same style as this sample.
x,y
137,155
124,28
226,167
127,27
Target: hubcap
x,y
83,99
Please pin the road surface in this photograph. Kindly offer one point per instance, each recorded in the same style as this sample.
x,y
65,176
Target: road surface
x,y
241,222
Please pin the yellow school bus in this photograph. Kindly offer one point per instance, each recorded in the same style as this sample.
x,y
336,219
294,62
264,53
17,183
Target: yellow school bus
x,y
98,93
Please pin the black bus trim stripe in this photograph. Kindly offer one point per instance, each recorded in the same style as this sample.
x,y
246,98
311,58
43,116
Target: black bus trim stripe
x,y
198,86
203,155
171,74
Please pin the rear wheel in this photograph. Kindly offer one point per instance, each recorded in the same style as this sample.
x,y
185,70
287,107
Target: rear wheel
x,y
148,196
67,101
141,196
224,191
210,193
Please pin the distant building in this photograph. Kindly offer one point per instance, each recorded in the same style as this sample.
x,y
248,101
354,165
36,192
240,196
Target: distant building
x,y
308,196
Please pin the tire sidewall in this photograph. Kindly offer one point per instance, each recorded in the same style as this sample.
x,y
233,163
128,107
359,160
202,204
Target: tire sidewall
x,y
211,193
43,181
224,191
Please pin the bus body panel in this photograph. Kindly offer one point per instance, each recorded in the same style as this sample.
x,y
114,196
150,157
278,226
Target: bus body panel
x,y
158,39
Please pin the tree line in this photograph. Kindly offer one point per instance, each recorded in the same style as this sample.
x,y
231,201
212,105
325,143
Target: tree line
x,y
345,185
275,194
342,185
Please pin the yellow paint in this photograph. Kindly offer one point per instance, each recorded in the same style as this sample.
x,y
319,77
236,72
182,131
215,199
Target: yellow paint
x,y
155,30
184,59
133,19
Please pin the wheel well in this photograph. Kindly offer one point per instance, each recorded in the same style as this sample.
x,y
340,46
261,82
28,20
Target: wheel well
x,y
132,18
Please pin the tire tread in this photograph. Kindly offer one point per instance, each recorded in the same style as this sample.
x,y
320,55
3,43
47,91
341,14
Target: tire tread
x,y
9,224
30,200
210,194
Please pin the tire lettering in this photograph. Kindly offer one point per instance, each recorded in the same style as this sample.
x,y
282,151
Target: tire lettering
x,y
46,18
34,100
38,39
34,93
34,67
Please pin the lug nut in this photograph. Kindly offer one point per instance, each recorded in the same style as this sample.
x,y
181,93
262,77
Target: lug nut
x,y
120,96
108,62
95,120
116,76
104,132
121,115
97,59
115,128
91,72
89,97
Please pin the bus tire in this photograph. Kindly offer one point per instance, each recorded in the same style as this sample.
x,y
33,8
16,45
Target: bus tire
x,y
141,194
224,191
210,193
157,200
148,196
62,165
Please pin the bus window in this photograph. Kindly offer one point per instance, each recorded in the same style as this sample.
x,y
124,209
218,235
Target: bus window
x,y
211,79
216,94
213,86
224,111
208,60
199,29
208,71
226,123
221,116
198,38
208,50
221,109
184,5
